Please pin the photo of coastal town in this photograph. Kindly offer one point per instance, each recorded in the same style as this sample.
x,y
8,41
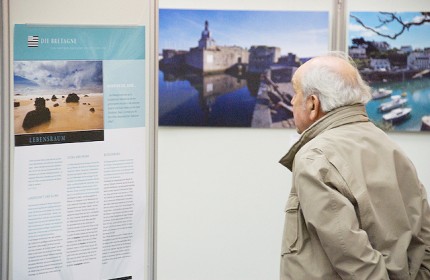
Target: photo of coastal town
x,y
392,52
57,96
225,68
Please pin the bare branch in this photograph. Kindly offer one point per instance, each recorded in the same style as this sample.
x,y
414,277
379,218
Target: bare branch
x,y
387,18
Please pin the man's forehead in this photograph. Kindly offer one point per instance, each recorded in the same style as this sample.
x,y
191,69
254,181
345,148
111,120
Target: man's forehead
x,y
296,86
296,77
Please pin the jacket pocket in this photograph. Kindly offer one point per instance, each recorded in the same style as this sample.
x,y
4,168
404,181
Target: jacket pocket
x,y
291,225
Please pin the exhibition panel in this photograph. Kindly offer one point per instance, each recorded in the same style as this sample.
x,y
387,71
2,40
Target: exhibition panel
x,y
80,95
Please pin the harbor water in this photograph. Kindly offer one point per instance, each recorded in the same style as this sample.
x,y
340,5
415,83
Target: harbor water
x,y
217,100
417,92
222,100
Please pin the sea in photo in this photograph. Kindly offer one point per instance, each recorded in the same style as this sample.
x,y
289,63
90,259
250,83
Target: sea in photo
x,y
229,102
58,96
415,92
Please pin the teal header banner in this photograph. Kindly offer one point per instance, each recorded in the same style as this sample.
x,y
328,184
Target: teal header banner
x,y
36,42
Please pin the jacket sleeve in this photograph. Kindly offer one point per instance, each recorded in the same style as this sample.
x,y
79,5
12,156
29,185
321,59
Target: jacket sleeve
x,y
425,235
332,216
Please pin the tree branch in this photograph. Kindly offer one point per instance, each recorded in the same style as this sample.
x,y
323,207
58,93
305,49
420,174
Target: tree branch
x,y
387,18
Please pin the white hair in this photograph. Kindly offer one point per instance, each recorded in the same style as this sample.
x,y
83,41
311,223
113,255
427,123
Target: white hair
x,y
333,88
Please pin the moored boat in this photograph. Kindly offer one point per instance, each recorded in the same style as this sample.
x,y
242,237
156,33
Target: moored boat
x,y
425,123
396,102
397,115
381,93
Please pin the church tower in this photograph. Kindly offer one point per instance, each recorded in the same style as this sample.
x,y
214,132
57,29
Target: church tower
x,y
206,42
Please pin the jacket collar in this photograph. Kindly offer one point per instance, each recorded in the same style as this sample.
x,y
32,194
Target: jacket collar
x,y
337,117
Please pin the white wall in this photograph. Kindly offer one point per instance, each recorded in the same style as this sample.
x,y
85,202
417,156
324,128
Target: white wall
x,y
221,194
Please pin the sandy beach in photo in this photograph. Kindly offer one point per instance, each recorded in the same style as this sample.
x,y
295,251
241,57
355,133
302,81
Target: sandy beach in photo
x,y
64,117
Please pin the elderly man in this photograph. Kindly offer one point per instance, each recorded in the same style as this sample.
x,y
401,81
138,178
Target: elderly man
x,y
357,209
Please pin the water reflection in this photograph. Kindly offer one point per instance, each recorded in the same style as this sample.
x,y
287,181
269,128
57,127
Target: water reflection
x,y
222,99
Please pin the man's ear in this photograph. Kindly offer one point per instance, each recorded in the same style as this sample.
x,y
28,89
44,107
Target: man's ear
x,y
315,111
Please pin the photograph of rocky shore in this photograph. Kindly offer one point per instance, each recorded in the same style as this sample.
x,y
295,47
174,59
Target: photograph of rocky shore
x,y
57,96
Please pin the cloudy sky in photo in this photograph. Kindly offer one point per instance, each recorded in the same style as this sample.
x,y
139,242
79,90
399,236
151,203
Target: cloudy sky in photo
x,y
305,34
58,76
416,36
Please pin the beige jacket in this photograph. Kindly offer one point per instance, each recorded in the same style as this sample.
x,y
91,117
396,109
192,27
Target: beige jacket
x,y
356,209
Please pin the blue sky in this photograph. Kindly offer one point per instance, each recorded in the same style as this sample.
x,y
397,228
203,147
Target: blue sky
x,y
34,77
303,33
417,36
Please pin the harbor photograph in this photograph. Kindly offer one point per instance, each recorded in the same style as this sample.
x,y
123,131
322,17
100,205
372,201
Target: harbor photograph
x,y
392,53
226,68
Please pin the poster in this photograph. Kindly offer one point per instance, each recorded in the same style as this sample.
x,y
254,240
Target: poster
x,y
392,52
79,183
228,68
